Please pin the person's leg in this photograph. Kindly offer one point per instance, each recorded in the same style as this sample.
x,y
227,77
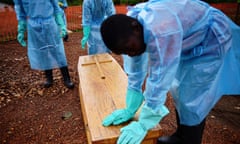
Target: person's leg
x,y
174,138
184,134
192,134
66,77
49,78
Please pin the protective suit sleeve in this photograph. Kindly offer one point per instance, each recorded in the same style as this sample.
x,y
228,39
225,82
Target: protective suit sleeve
x,y
136,69
134,100
164,58
135,132
86,13
20,13
56,7
58,18
22,23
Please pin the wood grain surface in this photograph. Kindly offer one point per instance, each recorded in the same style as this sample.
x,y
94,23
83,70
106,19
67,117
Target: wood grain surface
x,y
99,97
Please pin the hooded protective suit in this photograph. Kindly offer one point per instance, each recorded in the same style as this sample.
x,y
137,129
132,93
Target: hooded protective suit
x,y
45,46
94,12
193,53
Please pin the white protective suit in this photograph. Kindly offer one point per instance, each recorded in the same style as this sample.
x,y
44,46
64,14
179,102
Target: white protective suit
x,y
193,51
94,12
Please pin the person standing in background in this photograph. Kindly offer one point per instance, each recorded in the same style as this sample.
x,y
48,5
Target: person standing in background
x,y
42,19
93,13
63,5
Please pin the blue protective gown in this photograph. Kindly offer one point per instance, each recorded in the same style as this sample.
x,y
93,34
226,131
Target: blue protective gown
x,y
45,46
193,51
94,12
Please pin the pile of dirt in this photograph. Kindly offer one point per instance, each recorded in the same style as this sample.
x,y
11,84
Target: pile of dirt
x,y
33,114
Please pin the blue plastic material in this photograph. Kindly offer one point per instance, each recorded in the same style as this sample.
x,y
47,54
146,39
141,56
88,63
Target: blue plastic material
x,y
192,51
45,46
94,12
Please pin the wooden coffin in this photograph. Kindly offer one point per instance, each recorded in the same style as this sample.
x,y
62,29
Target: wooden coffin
x,y
102,89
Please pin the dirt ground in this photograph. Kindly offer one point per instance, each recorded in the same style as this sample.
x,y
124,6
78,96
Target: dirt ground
x,y
31,114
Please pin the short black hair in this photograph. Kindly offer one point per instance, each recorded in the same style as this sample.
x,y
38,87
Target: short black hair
x,y
115,29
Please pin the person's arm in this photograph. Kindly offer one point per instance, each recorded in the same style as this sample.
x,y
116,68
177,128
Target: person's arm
x,y
59,18
20,13
164,47
56,7
22,21
86,22
86,13
136,69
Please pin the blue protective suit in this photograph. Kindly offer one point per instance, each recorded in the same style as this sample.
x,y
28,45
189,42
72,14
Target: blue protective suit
x,y
45,45
193,51
94,12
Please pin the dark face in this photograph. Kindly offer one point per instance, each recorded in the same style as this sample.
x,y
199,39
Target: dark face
x,y
132,46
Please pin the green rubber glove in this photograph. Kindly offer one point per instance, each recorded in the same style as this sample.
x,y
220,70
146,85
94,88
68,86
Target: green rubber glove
x,y
60,22
22,26
135,132
134,100
86,33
